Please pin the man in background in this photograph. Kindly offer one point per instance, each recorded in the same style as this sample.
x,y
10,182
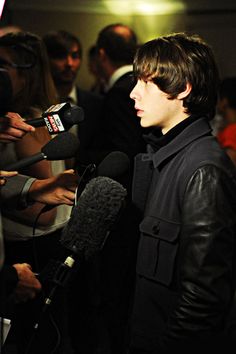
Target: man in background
x,y
116,45
65,55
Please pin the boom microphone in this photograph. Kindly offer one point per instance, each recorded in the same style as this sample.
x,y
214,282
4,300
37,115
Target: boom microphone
x,y
59,117
90,223
61,147
93,217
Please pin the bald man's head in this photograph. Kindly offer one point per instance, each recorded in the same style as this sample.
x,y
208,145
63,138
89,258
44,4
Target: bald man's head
x,y
119,42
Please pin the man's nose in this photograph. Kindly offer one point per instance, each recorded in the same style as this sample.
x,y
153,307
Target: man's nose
x,y
69,60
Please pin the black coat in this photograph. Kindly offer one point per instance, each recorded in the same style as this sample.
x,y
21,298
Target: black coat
x,y
89,127
186,259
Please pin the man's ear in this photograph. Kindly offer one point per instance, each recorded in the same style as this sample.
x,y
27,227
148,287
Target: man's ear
x,y
102,53
186,92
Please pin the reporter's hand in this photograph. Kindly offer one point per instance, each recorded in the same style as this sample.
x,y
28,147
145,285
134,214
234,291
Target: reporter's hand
x,y
28,285
4,174
13,127
55,190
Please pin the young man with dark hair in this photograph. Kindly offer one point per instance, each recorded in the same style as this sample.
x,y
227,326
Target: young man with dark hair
x,y
186,261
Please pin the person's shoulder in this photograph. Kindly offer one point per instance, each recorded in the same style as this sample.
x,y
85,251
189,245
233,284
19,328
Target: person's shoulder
x,y
126,81
207,151
83,94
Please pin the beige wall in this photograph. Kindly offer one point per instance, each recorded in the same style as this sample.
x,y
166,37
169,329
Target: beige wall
x,y
218,29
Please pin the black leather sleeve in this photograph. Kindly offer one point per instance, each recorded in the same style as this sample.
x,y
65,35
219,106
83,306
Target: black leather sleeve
x,y
206,261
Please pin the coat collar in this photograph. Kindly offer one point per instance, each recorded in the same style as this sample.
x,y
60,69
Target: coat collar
x,y
192,132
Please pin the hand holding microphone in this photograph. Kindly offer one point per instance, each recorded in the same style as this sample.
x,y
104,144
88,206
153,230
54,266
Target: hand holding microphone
x,y
13,127
59,118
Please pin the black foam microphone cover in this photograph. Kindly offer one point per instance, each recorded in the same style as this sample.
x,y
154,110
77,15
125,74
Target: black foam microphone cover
x,y
74,115
92,219
61,147
114,165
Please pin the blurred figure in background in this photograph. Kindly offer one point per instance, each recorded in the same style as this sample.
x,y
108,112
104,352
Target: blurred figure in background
x,y
99,84
31,235
227,109
65,55
120,129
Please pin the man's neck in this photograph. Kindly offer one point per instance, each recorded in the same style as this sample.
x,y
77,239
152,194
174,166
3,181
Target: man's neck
x,y
117,73
64,90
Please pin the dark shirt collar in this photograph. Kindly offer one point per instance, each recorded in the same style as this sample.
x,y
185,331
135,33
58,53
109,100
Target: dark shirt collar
x,y
156,139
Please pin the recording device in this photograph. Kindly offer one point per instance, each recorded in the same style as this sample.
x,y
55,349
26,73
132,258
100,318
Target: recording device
x,y
61,147
59,118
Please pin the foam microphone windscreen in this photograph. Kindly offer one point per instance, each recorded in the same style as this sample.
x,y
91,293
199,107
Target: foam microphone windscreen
x,y
61,147
94,216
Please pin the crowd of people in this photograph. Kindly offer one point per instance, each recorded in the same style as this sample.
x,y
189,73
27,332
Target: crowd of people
x,y
165,277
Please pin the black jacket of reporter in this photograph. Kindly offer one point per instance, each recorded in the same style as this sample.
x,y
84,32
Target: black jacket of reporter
x,y
186,261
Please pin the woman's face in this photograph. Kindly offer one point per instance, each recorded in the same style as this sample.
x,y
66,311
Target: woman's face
x,y
17,80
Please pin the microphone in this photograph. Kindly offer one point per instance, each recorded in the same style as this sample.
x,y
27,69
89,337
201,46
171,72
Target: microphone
x,y
93,217
91,221
115,165
59,117
61,147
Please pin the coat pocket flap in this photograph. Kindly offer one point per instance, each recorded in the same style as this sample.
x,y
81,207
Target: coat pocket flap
x,y
161,229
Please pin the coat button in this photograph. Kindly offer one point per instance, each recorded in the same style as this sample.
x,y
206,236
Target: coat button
x,y
156,228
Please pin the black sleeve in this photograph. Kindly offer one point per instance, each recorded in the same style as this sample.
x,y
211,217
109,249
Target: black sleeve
x,y
206,258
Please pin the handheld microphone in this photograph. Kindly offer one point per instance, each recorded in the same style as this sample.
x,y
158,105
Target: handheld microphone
x,y
61,147
115,165
59,117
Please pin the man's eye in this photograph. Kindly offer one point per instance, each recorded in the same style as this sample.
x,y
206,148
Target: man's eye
x,y
75,55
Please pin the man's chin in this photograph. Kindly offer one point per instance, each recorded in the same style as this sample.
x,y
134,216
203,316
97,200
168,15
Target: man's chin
x,y
64,82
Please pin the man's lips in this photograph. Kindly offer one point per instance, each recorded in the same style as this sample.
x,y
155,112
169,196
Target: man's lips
x,y
139,111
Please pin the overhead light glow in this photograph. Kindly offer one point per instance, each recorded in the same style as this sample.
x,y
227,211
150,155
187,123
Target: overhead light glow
x,y
151,7
2,2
